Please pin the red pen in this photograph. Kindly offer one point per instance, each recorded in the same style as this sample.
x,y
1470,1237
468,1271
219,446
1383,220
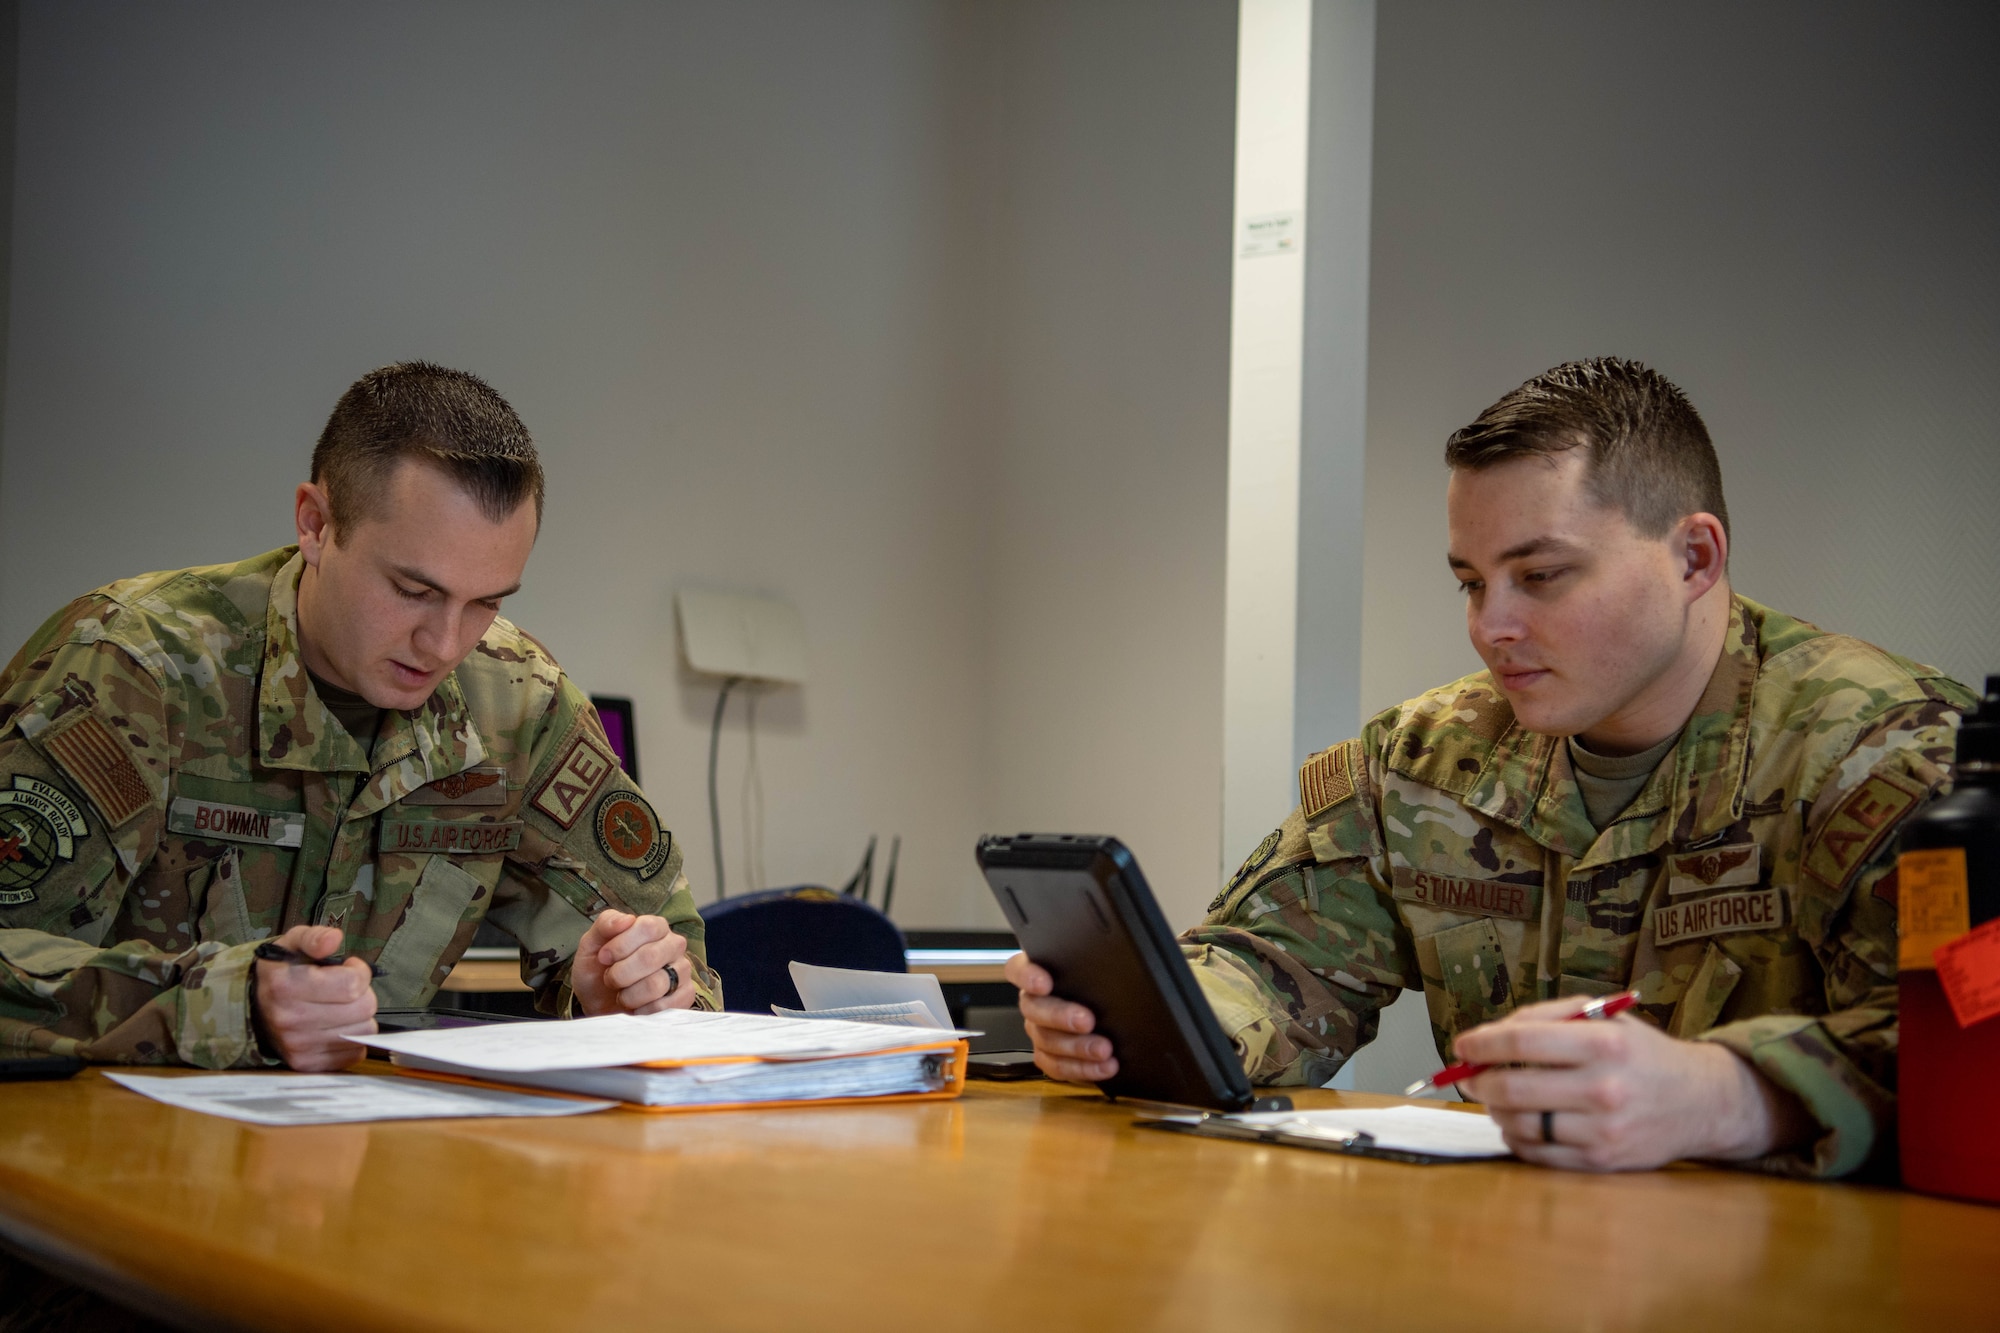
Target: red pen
x,y
1607,1006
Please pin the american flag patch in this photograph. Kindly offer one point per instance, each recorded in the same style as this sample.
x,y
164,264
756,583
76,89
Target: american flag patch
x,y
98,762
1326,780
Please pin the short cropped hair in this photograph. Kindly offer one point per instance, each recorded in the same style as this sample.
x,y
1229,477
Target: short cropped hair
x,y
1649,453
448,418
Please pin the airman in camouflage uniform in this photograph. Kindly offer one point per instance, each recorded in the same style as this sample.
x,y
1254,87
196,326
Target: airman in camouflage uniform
x,y
1747,894
175,790
193,796
1655,786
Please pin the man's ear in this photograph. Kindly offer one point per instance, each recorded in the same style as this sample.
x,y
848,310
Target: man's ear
x,y
1702,546
313,513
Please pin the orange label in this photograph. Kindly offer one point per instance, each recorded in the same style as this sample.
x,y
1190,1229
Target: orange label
x,y
1969,970
1931,904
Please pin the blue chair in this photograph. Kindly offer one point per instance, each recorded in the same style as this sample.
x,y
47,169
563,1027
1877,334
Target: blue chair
x,y
752,939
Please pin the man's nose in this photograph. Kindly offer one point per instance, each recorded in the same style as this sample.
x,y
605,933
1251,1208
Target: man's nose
x,y
438,631
1492,619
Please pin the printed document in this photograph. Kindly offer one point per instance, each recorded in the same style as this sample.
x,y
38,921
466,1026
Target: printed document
x,y
335,1099
843,988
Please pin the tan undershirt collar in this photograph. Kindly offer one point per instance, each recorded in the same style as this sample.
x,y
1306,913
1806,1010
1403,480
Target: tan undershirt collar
x,y
1609,782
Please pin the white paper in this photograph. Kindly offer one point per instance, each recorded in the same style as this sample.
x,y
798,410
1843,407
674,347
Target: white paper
x,y
335,1099
843,988
1425,1129
908,1014
634,1039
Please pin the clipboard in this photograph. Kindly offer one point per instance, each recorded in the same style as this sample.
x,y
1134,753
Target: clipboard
x,y
1296,1134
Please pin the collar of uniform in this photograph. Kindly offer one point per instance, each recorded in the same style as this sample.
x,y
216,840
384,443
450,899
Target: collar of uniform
x,y
294,728
1707,780
1525,782
421,745
1715,744
1702,792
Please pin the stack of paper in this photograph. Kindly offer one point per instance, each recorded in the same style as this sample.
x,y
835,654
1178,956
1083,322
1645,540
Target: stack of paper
x,y
690,1059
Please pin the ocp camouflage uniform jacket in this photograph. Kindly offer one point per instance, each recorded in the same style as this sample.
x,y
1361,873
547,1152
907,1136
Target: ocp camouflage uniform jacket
x,y
172,792
1748,893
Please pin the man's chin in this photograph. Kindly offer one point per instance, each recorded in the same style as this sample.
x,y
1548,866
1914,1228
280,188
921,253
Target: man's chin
x,y
401,698
1540,715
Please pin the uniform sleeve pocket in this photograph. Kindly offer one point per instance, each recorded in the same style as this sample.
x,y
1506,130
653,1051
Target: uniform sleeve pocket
x,y
1473,978
411,956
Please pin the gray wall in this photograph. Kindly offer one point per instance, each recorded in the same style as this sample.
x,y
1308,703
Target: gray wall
x,y
790,304
1789,208
1100,393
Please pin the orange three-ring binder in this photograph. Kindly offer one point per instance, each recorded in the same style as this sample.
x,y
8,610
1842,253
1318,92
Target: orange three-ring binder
x,y
954,1083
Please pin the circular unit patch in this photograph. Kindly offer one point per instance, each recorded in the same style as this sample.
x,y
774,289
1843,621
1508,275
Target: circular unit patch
x,y
630,833
39,826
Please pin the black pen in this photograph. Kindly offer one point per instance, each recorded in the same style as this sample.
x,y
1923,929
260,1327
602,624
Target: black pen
x,y
273,952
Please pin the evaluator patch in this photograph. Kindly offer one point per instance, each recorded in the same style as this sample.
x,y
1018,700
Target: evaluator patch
x,y
566,791
630,833
39,828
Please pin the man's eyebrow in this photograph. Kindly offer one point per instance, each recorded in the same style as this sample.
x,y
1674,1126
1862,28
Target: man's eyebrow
x,y
1538,546
418,576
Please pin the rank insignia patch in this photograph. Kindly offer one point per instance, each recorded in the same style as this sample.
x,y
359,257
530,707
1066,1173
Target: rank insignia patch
x,y
630,833
39,828
564,793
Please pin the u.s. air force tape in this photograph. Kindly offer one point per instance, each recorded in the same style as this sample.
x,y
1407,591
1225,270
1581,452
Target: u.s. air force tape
x,y
235,823
449,837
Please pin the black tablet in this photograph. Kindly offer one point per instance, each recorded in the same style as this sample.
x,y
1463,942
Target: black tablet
x,y
1082,910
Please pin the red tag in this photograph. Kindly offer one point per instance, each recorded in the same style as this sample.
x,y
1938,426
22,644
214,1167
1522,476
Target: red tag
x,y
1969,968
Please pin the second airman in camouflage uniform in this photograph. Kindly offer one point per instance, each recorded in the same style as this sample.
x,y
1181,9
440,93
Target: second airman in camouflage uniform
x,y
175,791
1747,893
1656,786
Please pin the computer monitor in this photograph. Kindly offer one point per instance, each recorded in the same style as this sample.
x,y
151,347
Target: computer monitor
x,y
616,715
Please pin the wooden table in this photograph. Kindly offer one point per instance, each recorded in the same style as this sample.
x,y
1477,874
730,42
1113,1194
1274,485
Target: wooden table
x,y
1017,1207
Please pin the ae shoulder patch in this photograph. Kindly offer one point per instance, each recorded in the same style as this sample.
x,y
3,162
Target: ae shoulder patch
x,y
1859,825
569,786
630,833
1327,778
